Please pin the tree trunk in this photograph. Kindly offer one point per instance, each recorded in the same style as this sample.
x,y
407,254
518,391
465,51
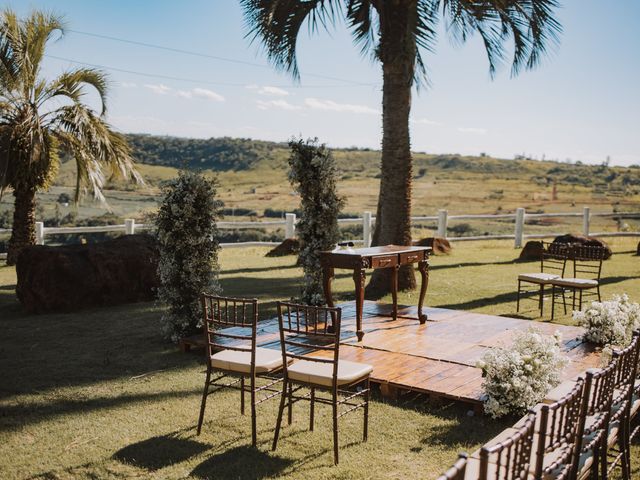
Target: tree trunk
x,y
24,216
393,218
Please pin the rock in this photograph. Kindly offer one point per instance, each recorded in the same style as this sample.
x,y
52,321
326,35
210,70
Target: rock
x,y
532,250
438,244
575,239
72,277
290,246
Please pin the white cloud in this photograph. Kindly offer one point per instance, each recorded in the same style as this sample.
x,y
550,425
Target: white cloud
x,y
479,131
159,89
281,104
207,94
330,105
184,94
425,121
128,85
273,91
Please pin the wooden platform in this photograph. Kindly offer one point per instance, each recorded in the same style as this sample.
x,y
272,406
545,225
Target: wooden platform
x,y
439,357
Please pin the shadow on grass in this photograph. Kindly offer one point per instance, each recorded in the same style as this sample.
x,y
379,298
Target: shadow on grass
x,y
159,452
257,269
241,462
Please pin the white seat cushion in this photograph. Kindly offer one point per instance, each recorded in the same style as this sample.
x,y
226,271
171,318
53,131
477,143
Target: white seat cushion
x,y
267,360
538,277
576,282
322,373
559,392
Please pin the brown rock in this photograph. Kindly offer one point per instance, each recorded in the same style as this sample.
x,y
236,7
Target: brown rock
x,y
72,277
576,239
532,250
438,244
290,246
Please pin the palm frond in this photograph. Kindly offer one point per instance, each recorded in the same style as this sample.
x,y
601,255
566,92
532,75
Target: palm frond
x,y
71,85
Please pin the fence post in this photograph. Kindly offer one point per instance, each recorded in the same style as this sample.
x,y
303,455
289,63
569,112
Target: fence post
x,y
442,223
129,226
519,233
586,219
366,229
39,233
290,228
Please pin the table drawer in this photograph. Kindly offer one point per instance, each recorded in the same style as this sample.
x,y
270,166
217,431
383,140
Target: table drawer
x,y
384,261
410,257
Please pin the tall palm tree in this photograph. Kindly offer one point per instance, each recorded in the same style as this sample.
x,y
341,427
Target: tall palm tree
x,y
396,33
40,117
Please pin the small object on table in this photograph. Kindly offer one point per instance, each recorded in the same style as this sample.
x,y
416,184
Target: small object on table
x,y
359,259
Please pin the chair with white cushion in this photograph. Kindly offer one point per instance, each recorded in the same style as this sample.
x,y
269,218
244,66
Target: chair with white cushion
x,y
457,470
634,416
310,341
553,260
587,268
230,326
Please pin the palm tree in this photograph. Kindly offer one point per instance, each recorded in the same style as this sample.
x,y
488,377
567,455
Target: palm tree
x,y
40,117
396,33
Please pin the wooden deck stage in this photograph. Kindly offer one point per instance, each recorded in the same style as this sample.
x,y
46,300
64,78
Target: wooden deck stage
x,y
439,357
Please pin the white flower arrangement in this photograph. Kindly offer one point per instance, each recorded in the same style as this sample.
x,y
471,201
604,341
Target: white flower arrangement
x,y
610,323
519,376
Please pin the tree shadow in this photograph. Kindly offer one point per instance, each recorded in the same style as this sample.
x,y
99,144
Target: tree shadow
x,y
241,462
257,269
158,452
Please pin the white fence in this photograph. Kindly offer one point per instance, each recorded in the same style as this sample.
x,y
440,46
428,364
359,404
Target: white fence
x,y
367,220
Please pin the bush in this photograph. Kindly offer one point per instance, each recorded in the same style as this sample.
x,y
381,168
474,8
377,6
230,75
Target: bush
x,y
313,174
188,238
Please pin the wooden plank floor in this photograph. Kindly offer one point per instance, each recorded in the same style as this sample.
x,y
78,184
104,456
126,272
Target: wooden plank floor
x,y
439,357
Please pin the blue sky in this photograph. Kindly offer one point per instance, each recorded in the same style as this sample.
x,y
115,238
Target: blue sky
x,y
583,103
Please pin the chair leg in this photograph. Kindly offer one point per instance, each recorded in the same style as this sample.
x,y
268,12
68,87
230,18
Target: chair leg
x,y
283,398
311,412
518,297
254,434
553,301
603,458
367,393
599,298
335,427
242,395
580,301
541,300
290,405
205,393
564,301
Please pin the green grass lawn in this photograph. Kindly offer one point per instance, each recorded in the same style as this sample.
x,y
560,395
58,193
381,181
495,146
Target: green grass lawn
x,y
99,394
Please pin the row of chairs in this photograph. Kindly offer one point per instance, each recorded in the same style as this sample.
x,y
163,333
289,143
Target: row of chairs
x,y
585,279
304,358
582,430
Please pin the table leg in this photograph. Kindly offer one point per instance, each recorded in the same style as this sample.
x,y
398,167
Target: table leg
x,y
423,268
394,290
327,277
358,279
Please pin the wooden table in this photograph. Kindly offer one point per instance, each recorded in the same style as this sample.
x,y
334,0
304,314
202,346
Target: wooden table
x,y
359,259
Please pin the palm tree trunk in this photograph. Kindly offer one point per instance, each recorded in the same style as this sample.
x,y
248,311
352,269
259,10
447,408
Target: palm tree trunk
x,y
24,216
393,218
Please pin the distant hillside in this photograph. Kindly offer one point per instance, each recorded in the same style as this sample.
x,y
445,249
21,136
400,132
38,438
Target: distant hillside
x,y
240,154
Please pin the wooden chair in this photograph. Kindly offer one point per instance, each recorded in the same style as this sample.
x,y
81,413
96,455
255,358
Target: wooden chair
x,y
618,442
553,261
508,458
310,340
557,442
593,426
634,419
587,268
457,470
230,326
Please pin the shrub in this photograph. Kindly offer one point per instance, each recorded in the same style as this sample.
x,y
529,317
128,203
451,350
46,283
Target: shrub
x,y
610,323
188,238
313,174
518,377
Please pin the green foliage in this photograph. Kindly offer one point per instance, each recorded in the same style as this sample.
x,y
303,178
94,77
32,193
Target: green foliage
x,y
313,175
188,237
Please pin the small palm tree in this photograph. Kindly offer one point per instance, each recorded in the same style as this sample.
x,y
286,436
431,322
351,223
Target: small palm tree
x,y
394,32
40,117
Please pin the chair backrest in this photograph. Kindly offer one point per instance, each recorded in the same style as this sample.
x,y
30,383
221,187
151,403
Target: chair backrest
x,y
627,369
587,261
305,329
554,258
509,459
230,324
559,432
458,469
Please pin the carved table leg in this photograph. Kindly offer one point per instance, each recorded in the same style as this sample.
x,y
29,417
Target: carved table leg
x,y
394,291
423,268
358,279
